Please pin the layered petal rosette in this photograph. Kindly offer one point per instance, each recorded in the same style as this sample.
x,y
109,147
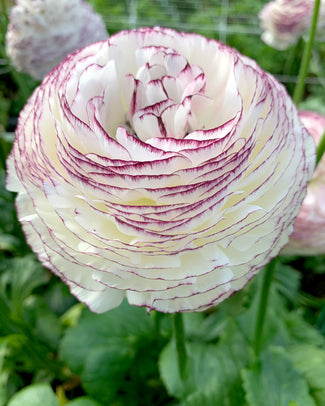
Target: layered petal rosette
x,y
308,237
160,166
41,33
285,21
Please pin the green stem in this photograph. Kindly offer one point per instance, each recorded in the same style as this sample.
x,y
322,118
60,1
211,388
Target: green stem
x,y
157,316
4,11
3,152
180,343
267,281
320,149
300,86
293,55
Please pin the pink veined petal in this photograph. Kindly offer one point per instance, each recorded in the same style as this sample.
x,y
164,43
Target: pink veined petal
x,y
158,166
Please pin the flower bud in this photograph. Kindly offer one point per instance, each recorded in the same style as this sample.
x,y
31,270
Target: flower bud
x,y
308,237
285,21
41,33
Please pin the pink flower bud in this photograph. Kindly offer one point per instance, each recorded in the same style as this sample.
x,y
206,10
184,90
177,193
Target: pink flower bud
x,y
41,33
308,237
285,21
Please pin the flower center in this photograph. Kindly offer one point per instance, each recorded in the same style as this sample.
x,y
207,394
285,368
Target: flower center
x,y
166,94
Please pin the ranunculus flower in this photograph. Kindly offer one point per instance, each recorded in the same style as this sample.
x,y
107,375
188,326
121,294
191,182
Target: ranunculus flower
x,y
308,237
160,166
41,33
285,21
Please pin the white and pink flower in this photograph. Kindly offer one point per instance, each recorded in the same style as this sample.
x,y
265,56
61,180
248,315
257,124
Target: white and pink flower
x,y
308,237
159,166
41,33
285,21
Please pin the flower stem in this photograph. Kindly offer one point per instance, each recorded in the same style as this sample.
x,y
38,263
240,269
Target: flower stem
x,y
3,153
4,11
157,316
320,149
300,86
267,281
180,343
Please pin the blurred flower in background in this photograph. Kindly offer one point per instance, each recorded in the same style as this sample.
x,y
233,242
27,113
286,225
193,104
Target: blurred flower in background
x,y
160,166
308,237
41,33
285,21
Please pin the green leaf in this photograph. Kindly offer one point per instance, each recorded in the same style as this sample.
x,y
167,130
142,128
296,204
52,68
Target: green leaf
x,y
22,276
105,370
39,394
4,372
275,330
8,242
302,332
287,281
310,361
59,297
211,397
321,321
42,320
316,263
275,382
208,365
97,330
71,317
83,401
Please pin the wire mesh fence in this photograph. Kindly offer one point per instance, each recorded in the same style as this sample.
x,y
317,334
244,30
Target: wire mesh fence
x,y
229,21
217,17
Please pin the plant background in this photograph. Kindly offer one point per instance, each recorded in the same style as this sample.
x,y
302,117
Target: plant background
x,y
54,351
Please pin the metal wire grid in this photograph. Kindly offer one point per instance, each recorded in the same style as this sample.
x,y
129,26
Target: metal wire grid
x,y
221,24
225,20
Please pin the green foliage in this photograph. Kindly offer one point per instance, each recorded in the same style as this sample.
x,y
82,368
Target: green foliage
x,y
124,323
106,351
39,394
275,381
209,366
309,360
83,401
106,369
50,344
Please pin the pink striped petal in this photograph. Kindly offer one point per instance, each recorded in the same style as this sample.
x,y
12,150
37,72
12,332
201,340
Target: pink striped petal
x,y
161,167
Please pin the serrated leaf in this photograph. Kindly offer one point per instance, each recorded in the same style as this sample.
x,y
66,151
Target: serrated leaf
x,y
22,276
208,365
39,394
105,370
281,327
100,330
274,331
42,321
310,361
287,281
211,397
83,401
302,332
275,382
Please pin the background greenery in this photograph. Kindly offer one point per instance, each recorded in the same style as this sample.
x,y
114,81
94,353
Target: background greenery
x,y
53,351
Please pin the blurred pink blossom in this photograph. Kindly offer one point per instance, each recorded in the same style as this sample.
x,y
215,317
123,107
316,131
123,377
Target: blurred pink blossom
x,y
308,237
285,21
41,33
